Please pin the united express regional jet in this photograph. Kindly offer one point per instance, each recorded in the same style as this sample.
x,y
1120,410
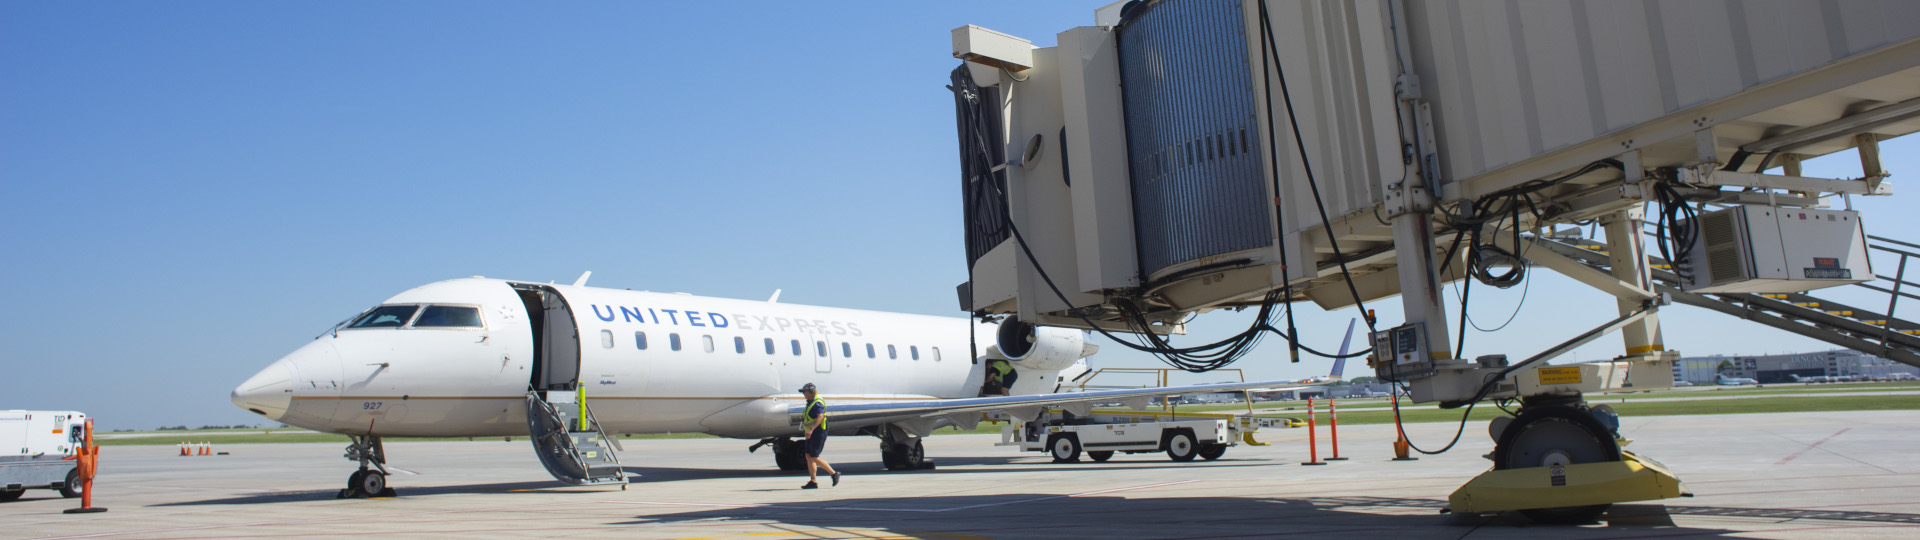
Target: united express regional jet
x,y
488,357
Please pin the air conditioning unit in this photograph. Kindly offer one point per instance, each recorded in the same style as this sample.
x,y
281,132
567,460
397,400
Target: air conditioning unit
x,y
1762,249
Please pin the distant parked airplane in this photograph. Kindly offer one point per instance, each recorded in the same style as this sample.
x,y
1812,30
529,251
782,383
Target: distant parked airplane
x,y
1724,380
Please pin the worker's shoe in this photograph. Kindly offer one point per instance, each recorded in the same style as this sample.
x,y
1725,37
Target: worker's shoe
x,y
836,478
811,485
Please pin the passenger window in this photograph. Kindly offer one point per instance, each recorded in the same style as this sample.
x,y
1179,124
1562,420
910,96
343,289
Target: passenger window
x,y
706,342
846,350
739,345
891,354
796,347
448,317
673,341
606,339
869,350
769,346
640,340
385,317
915,351
936,353
820,348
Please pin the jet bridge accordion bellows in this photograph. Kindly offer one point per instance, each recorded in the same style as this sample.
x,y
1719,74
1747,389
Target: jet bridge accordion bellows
x,y
1192,137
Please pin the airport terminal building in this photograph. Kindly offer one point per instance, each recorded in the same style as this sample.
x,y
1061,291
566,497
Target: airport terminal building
x,y
1782,368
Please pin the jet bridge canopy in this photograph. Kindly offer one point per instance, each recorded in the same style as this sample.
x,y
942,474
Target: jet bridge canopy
x,y
1177,189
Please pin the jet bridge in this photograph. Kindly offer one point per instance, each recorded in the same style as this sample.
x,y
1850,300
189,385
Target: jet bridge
x,y
1181,156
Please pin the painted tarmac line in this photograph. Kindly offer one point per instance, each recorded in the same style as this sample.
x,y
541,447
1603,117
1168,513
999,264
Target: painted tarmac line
x,y
179,488
1754,531
1810,447
304,521
1848,488
1773,480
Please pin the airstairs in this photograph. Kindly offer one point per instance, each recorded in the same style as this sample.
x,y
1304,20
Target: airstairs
x,y
1870,327
570,442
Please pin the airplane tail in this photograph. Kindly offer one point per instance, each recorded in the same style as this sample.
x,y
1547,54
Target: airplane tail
x,y
1340,361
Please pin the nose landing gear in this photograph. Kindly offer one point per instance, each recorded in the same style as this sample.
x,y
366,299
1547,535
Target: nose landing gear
x,y
371,479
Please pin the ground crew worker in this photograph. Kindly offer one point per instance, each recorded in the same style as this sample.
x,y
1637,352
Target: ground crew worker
x,y
1006,375
814,426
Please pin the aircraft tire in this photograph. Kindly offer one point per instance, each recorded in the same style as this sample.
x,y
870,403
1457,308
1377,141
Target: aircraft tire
x,y
1065,448
789,455
1181,445
371,484
73,488
903,456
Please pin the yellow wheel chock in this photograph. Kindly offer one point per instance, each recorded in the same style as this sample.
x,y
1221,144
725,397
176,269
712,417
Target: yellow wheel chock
x,y
1633,478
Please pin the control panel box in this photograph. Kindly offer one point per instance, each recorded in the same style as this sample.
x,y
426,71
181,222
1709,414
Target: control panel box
x,y
1761,249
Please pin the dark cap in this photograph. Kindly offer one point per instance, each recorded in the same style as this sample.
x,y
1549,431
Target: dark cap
x,y
808,388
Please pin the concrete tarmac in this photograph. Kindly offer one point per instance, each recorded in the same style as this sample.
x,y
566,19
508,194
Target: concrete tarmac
x,y
1802,475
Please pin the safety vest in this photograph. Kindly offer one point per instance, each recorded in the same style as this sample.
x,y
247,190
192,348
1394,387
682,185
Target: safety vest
x,y
823,412
1000,366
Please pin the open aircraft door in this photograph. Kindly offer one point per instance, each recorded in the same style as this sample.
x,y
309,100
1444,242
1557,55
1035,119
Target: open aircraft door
x,y
556,338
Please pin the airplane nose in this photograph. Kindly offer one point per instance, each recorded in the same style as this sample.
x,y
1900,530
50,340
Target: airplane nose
x,y
268,393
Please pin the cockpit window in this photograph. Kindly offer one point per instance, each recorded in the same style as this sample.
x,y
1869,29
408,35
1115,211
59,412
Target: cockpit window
x,y
385,317
449,316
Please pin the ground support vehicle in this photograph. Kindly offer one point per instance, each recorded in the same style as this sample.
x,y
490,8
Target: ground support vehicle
x,y
37,450
1099,435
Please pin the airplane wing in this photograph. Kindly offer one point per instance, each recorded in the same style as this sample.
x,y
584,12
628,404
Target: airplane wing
x,y
922,417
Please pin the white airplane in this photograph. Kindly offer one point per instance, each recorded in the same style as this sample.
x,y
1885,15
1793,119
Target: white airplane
x,y
486,357
1724,380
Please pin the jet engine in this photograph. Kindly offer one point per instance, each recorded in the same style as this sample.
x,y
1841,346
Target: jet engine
x,y
1041,347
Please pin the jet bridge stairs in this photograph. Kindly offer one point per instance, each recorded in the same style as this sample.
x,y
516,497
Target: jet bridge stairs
x,y
1876,331
570,443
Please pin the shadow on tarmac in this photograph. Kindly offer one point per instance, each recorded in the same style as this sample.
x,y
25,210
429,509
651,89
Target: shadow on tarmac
x,y
949,464
1034,515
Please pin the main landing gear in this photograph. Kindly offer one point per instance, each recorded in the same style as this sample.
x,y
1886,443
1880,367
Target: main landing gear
x,y
904,454
371,479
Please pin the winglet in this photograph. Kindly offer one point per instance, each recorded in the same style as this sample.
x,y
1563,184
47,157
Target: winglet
x,y
582,282
776,297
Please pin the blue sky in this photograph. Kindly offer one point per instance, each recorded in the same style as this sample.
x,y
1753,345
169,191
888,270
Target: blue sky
x,y
189,190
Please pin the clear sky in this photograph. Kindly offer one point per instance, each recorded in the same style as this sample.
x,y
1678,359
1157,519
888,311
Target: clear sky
x,y
189,190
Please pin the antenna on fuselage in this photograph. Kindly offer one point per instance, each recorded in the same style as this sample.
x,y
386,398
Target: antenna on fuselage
x,y
582,282
776,297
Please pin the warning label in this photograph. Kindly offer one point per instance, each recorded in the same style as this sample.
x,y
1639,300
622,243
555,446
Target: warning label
x,y
1560,375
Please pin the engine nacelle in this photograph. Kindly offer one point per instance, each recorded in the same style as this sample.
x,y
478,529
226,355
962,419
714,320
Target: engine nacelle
x,y
1045,348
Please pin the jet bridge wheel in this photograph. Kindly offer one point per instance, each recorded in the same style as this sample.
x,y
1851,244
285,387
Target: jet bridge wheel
x,y
1556,435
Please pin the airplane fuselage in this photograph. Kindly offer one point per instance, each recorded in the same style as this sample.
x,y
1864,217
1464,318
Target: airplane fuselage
x,y
648,362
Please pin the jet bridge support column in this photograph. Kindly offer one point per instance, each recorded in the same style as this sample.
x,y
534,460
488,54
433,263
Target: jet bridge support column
x,y
1651,365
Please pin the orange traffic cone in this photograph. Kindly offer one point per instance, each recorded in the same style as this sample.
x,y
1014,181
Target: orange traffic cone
x,y
183,449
